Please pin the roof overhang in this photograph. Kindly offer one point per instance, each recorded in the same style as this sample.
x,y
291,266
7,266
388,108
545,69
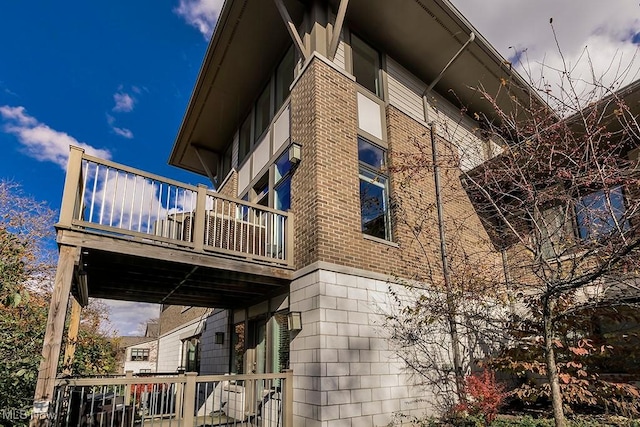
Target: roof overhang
x,y
249,39
423,35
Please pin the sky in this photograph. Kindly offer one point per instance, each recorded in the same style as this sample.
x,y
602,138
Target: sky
x,y
115,77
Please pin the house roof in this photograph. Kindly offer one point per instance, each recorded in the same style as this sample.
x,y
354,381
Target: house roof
x,y
250,38
125,342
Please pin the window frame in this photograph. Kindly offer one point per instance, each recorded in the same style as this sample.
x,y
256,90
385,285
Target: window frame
x,y
356,40
378,177
142,357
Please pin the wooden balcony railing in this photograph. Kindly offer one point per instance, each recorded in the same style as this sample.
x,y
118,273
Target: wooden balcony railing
x,y
185,400
102,196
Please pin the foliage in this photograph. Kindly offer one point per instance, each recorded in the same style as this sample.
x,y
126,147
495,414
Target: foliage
x,y
96,349
27,252
484,396
24,269
560,202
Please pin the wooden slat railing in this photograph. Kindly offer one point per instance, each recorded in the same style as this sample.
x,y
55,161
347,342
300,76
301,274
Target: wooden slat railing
x,y
178,400
103,196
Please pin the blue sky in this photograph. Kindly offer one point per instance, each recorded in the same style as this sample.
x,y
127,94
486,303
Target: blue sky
x,y
115,77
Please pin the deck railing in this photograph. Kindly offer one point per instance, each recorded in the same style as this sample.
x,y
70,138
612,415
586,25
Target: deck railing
x,y
102,196
179,400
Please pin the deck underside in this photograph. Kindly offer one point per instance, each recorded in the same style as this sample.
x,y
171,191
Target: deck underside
x,y
124,269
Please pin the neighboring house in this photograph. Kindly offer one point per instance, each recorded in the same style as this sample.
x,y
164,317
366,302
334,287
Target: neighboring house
x,y
297,129
139,354
141,357
179,341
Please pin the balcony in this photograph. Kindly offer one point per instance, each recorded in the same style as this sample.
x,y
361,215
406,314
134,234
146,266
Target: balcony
x,y
174,400
150,239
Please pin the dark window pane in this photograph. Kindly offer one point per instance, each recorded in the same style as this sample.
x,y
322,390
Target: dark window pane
x,y
366,65
594,216
284,77
263,112
283,195
370,154
245,140
283,166
373,205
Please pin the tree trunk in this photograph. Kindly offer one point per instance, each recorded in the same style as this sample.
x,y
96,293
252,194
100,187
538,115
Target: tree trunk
x,y
552,369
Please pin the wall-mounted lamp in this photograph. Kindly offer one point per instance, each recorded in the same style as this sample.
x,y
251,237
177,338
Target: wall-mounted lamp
x,y
294,321
295,153
219,338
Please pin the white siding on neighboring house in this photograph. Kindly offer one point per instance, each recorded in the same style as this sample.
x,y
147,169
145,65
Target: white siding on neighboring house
x,y
146,365
170,346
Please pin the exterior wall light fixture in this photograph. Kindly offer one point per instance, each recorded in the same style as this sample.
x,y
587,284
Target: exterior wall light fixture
x,y
294,321
219,338
295,153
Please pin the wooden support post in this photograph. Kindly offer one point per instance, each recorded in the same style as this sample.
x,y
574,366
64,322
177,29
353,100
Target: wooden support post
x,y
53,334
287,399
189,401
71,196
200,219
72,337
127,388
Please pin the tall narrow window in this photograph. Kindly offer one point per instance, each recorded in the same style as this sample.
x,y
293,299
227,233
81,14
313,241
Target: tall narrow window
x,y
282,183
374,191
244,140
225,164
366,65
284,77
263,112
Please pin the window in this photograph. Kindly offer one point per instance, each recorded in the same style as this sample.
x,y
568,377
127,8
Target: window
x,y
374,192
284,77
237,349
145,371
139,354
598,213
280,340
191,354
282,183
366,65
263,112
261,190
244,143
225,164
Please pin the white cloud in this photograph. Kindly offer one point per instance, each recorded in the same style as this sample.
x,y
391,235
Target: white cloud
x,y
605,29
201,14
123,132
40,141
124,103
126,316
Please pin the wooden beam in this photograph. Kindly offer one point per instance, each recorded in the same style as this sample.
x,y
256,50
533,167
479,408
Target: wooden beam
x,y
189,257
53,334
337,28
72,337
291,27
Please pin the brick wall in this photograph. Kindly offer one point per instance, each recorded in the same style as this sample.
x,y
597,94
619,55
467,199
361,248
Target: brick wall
x,y
325,188
230,187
